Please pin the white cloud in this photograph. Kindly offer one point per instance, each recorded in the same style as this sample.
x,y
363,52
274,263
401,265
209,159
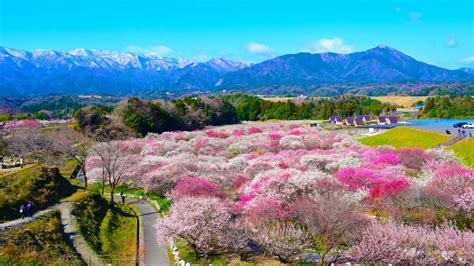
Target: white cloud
x,y
467,61
452,42
160,50
201,57
259,48
335,45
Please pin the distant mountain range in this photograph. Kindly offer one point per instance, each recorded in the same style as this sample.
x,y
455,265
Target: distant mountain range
x,y
80,71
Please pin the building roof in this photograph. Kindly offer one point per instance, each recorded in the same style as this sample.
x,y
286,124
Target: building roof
x,y
393,119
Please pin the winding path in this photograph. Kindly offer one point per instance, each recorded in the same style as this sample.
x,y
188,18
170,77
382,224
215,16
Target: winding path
x,y
153,253
70,230
22,221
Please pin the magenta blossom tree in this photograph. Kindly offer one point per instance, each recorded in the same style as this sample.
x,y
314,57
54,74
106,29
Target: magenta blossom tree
x,y
195,186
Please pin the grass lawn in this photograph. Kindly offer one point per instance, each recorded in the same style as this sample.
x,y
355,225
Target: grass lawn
x,y
163,202
67,167
28,170
464,151
406,137
188,255
41,242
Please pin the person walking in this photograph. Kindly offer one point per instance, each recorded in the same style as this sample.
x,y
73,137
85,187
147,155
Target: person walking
x,y
22,211
29,209
122,196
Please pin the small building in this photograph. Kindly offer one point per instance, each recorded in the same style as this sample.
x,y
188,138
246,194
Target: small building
x,y
381,120
393,120
338,120
350,121
367,118
359,120
332,119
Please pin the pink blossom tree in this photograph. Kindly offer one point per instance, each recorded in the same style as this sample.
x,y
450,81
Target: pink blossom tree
x,y
284,240
330,220
195,186
117,163
206,224
397,243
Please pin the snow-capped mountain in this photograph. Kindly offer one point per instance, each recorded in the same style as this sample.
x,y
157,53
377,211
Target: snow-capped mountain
x,y
81,71
94,71
93,59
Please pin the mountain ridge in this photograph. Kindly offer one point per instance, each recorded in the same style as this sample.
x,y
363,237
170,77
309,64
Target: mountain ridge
x,y
82,71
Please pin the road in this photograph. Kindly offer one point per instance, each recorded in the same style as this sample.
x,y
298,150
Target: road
x,y
154,254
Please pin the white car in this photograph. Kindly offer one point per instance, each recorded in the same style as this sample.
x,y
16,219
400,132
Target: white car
x,y
468,126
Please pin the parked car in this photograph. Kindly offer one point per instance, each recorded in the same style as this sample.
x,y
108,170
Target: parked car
x,y
468,126
460,124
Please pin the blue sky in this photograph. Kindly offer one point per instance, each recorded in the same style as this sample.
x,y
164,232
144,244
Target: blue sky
x,y
440,32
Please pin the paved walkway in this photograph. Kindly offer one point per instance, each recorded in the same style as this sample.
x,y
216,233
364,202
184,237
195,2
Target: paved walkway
x,y
154,254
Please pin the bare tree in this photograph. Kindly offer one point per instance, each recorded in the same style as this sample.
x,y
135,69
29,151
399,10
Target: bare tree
x,y
117,163
330,220
32,144
75,145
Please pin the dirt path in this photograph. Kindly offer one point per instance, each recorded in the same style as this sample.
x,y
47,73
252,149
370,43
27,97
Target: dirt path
x,y
75,238
22,221
70,230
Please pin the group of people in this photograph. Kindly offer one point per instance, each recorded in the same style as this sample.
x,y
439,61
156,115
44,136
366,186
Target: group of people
x,y
464,133
26,210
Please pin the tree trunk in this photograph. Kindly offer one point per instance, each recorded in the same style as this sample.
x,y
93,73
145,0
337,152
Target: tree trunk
x,y
84,173
112,190
103,186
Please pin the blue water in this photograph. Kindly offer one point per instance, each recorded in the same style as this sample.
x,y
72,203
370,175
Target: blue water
x,y
436,122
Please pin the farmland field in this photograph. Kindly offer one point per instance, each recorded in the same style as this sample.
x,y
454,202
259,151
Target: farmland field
x,y
405,101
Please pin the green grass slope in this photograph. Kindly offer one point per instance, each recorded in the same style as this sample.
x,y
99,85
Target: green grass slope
x,y
41,242
464,151
41,185
109,230
406,137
